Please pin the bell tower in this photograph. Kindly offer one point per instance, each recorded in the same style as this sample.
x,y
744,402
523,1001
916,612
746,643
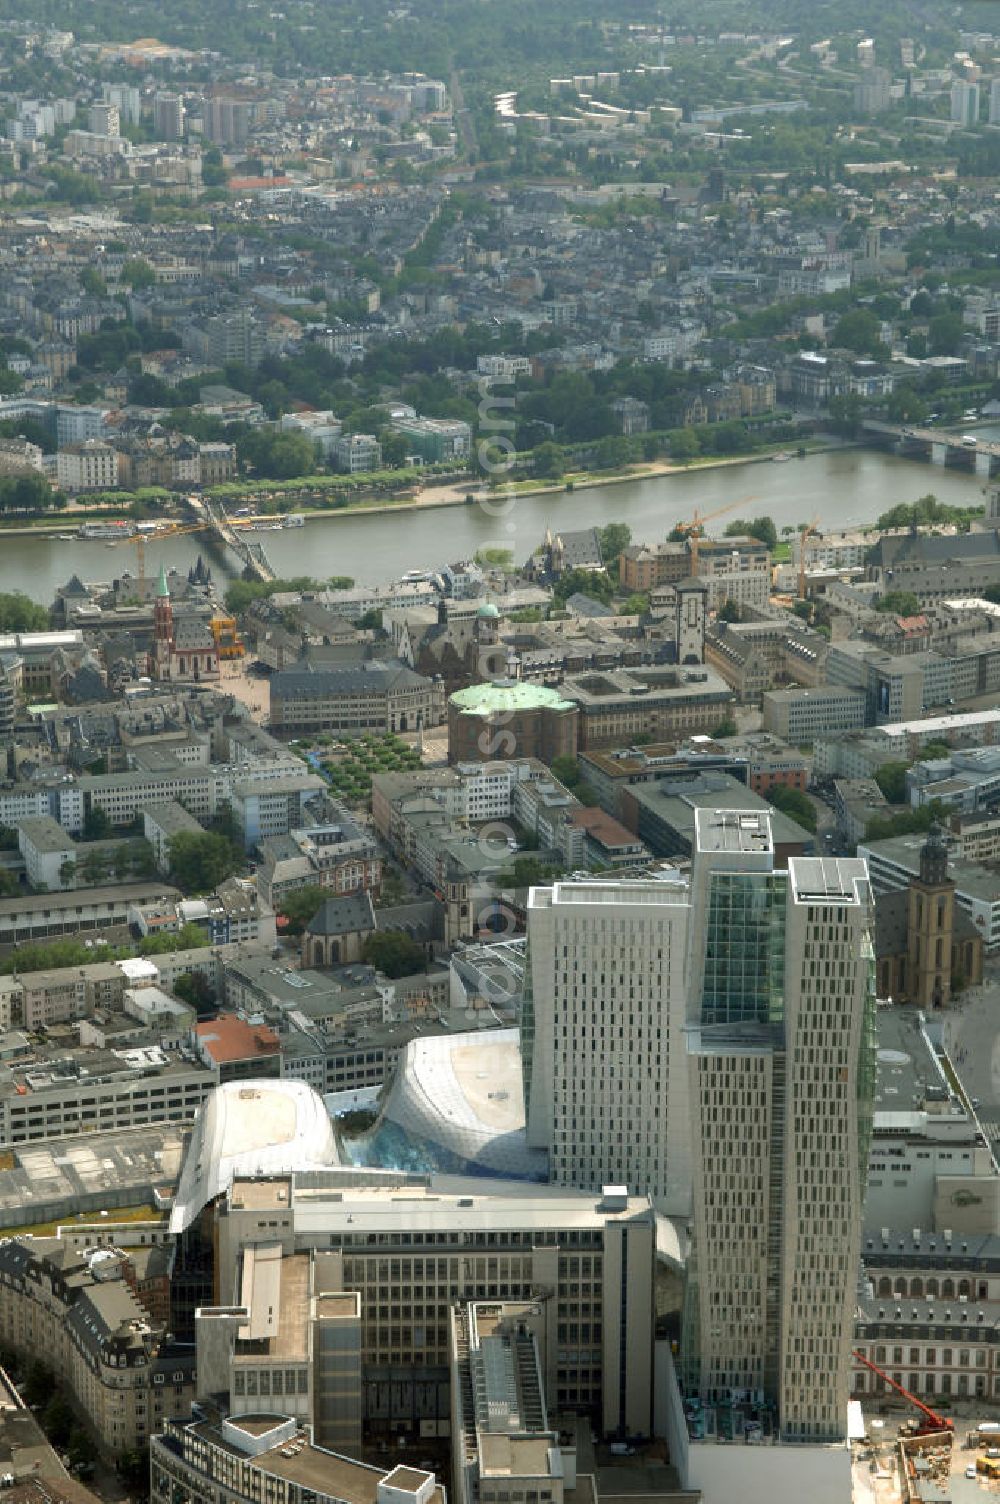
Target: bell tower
x,y
163,628
931,921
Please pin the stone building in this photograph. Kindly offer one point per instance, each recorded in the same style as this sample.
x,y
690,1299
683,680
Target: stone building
x,y
924,943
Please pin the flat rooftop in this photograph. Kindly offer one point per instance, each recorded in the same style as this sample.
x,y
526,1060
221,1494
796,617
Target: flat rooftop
x,y
733,830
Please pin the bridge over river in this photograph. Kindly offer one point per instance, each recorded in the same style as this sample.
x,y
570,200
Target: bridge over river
x,y
982,457
253,558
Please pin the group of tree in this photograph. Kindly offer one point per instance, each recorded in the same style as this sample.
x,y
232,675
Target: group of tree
x,y
926,511
394,953
898,603
793,803
29,492
19,614
761,528
201,860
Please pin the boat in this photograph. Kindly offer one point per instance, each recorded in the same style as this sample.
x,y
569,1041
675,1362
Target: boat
x,y
65,537
295,519
781,457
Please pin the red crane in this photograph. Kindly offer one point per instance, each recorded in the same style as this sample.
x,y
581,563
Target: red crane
x,y
931,1422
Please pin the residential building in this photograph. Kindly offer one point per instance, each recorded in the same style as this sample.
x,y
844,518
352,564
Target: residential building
x,y
168,116
89,466
434,439
356,452
82,1310
965,103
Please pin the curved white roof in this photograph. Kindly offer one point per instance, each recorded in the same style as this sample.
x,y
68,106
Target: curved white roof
x,y
465,1093
251,1128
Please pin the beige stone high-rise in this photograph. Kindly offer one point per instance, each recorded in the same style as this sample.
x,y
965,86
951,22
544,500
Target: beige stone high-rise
x,y
780,1039
711,1043
606,1080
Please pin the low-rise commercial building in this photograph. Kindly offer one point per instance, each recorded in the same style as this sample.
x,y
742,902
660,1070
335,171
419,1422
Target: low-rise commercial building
x,y
799,715
369,697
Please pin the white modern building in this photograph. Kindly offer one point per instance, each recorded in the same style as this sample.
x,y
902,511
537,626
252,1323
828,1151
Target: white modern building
x,y
605,1073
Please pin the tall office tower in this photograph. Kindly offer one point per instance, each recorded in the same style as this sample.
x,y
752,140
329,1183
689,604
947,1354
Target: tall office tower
x,y
995,102
964,103
606,1082
781,1047
168,116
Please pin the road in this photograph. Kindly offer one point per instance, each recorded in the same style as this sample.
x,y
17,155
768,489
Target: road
x,y
463,120
971,1034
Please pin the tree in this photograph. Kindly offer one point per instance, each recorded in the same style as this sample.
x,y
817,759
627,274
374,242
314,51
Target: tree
x,y
945,332
299,906
635,605
38,1384
614,539
19,614
394,953
592,582
547,461
93,283
899,603
729,611
860,331
761,528
138,273
57,1419
793,803
194,988
566,769
201,860
906,405
684,445
725,728
528,872
891,779
96,824
612,452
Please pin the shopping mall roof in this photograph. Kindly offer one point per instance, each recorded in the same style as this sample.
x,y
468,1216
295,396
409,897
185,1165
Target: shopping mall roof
x,y
251,1128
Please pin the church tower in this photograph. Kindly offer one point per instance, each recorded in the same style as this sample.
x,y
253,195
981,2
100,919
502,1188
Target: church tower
x,y
931,918
163,628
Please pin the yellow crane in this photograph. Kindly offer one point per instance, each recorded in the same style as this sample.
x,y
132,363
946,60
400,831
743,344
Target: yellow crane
x,y
694,529
804,537
228,642
139,540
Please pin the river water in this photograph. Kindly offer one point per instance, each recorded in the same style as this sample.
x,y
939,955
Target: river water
x,y
844,488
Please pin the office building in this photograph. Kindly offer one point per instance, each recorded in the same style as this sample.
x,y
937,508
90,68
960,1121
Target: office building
x,y
995,102
605,1076
780,1034
411,1244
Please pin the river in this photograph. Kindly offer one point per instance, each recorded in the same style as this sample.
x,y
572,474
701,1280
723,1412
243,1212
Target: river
x,y
843,488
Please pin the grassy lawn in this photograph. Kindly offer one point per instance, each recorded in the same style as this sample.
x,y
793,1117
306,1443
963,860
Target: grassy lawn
x,y
118,1215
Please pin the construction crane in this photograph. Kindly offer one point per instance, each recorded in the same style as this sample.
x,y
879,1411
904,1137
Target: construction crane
x,y
804,537
228,642
139,540
931,1423
694,529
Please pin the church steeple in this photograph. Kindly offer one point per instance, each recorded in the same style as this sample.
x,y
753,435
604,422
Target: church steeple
x,y
162,588
934,857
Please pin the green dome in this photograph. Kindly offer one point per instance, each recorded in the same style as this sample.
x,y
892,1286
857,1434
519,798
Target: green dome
x,y
487,609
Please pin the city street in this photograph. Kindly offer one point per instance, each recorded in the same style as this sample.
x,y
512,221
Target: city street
x,y
971,1034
